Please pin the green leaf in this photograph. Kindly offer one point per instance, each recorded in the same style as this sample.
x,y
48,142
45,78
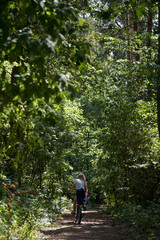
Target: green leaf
x,y
81,21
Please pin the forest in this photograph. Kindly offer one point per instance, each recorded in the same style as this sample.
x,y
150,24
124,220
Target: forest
x,y
79,92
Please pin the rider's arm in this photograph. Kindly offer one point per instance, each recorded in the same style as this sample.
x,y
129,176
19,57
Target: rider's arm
x,y
71,190
86,191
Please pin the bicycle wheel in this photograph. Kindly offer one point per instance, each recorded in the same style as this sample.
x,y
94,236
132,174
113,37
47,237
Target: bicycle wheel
x,y
75,217
79,214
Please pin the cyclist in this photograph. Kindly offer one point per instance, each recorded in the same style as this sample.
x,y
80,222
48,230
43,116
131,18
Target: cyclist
x,y
81,191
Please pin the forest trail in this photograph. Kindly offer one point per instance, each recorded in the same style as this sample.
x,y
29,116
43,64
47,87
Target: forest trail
x,y
95,225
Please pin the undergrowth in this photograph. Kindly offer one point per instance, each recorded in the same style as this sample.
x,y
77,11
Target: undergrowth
x,y
22,212
144,221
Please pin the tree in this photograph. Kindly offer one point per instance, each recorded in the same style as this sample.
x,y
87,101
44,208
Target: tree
x,y
31,31
158,77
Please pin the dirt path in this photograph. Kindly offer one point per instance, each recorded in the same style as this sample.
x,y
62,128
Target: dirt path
x,y
95,225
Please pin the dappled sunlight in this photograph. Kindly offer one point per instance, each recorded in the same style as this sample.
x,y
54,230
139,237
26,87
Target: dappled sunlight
x,y
94,225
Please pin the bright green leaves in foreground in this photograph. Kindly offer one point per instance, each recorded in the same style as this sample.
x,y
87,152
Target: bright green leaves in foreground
x,y
30,32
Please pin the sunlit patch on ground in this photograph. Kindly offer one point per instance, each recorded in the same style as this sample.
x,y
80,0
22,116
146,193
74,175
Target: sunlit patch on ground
x,y
95,225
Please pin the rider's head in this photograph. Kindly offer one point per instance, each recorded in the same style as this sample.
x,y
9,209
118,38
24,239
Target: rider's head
x,y
82,177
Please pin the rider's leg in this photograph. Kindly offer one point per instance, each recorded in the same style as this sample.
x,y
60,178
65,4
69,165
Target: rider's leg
x,y
74,204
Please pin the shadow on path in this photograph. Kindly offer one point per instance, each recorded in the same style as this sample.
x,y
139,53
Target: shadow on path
x,y
95,225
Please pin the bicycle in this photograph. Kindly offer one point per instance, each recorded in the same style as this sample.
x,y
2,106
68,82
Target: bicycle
x,y
81,199
78,214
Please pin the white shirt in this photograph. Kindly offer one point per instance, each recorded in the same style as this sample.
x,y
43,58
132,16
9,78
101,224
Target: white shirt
x,y
79,184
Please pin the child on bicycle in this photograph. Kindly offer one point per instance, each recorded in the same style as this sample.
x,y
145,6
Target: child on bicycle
x,y
81,191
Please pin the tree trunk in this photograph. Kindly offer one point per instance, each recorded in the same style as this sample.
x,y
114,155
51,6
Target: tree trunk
x,y
149,43
128,34
136,29
150,25
158,77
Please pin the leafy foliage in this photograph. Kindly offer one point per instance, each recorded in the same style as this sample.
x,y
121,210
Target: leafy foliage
x,y
144,221
78,93
29,33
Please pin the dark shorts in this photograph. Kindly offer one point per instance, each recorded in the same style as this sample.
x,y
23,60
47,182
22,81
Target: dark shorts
x,y
81,197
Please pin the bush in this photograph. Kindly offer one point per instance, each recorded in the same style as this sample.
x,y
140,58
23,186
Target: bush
x,y
23,211
144,220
